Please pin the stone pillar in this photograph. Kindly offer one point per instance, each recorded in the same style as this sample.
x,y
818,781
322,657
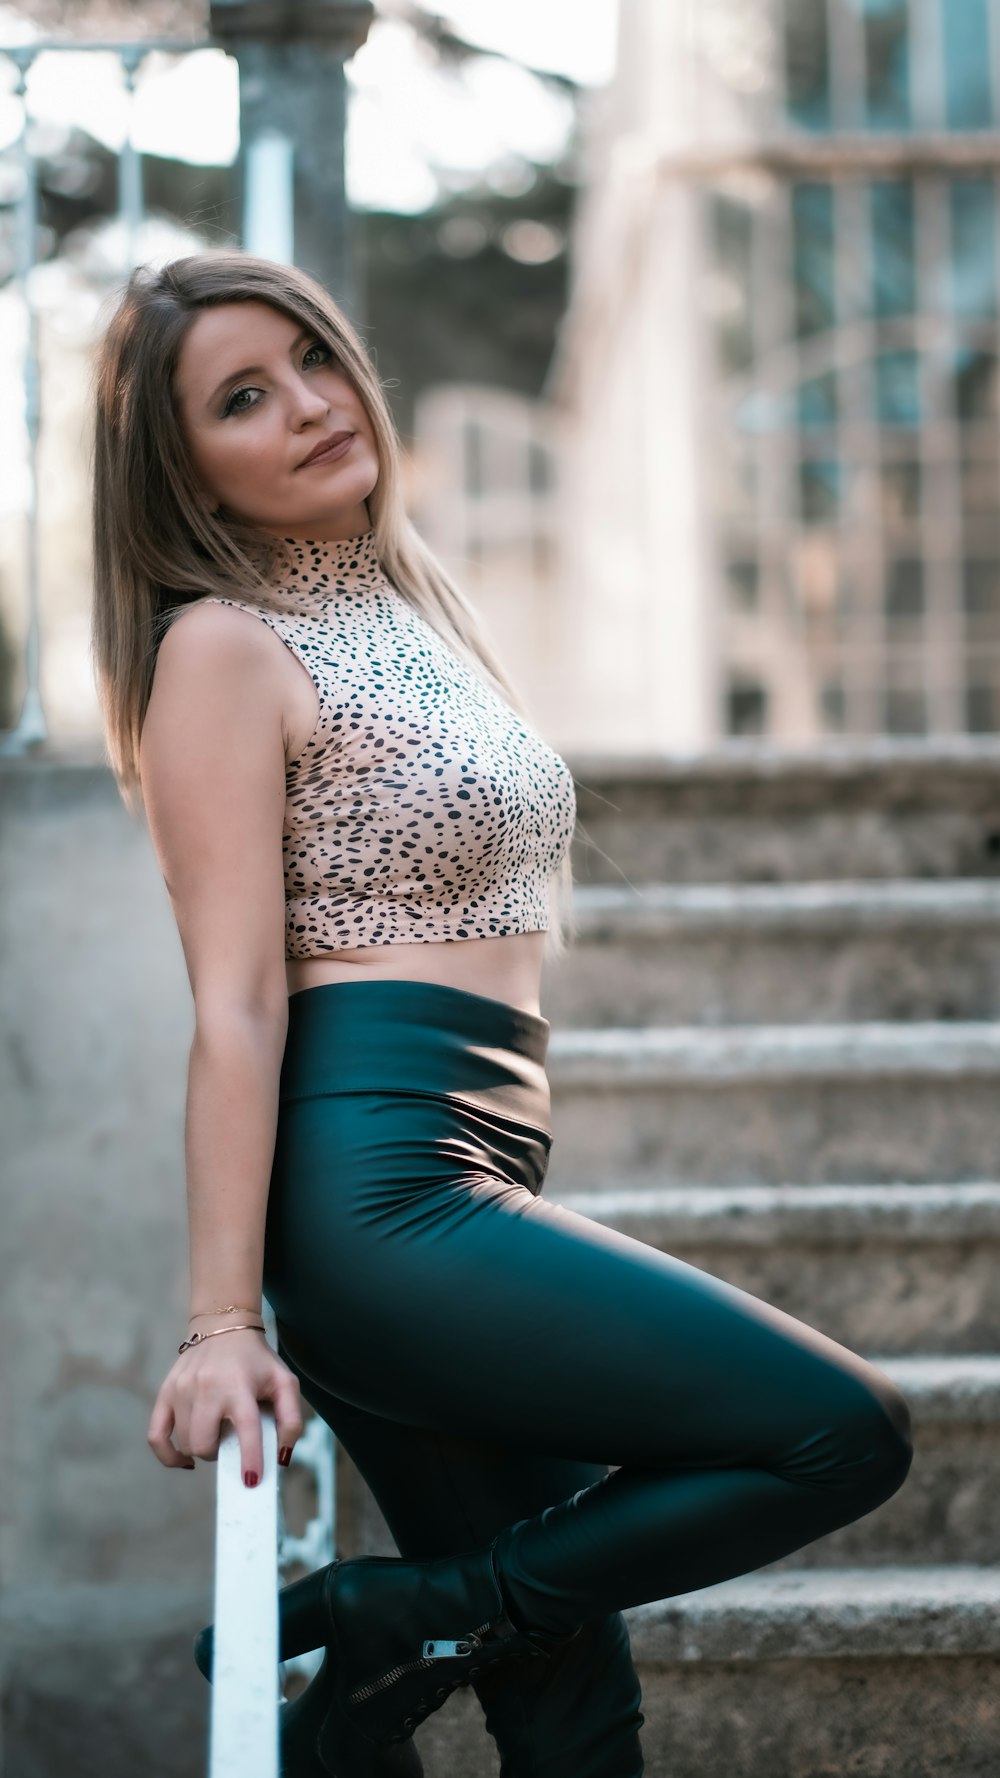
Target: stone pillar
x,y
291,56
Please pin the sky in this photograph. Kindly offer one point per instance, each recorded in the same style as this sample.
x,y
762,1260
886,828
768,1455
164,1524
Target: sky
x,y
403,118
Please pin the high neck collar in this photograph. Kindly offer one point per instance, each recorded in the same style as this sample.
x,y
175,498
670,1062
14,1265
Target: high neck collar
x,y
315,571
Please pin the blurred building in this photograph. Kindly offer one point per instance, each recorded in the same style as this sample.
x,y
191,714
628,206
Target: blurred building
x,y
778,377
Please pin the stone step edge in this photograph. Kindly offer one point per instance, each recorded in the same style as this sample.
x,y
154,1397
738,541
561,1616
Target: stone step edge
x,y
889,1611
855,906
832,758
761,1215
825,1613
705,1055
946,1388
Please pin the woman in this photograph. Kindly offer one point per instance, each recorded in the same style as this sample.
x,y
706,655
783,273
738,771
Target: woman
x,y
557,1421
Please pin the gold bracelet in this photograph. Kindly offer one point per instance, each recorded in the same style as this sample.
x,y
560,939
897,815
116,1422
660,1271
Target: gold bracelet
x,y
199,1314
196,1338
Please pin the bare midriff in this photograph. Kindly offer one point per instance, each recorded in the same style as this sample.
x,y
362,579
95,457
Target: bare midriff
x,y
502,968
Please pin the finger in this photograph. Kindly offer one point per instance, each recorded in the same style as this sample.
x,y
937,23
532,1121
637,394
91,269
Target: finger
x,y
246,1420
158,1438
287,1416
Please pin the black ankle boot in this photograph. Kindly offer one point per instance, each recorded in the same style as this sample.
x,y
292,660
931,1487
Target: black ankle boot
x,y
403,1636
302,1627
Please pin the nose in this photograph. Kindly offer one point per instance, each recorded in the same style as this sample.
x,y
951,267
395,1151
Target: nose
x,y
307,402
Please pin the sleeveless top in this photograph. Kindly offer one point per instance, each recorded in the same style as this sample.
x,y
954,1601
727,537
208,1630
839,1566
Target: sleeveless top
x,y
422,808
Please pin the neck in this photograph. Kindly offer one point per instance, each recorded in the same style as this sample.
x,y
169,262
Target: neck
x,y
318,570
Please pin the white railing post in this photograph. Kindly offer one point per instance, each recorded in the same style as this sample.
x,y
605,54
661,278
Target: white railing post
x,y
243,1738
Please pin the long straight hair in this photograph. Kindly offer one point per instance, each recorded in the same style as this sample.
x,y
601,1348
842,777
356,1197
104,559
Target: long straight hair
x,y
156,546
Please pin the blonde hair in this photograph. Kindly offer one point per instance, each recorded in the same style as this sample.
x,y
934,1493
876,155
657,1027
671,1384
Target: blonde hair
x,y
156,546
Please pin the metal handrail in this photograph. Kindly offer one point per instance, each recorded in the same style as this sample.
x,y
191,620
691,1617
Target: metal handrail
x,y
243,1734
251,1549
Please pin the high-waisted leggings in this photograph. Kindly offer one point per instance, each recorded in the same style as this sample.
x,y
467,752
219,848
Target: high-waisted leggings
x,y
493,1362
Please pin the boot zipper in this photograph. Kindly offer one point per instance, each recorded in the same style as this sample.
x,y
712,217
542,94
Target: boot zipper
x,y
441,1650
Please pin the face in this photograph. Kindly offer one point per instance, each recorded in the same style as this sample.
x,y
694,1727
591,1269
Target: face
x,y
249,431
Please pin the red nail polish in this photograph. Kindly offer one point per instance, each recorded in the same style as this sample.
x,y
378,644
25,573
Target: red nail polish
x,y
285,1456
250,1478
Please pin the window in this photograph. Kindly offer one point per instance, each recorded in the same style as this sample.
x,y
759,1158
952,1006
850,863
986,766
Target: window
x,y
807,63
892,246
833,704
900,491
746,706
966,38
982,706
812,231
905,710
897,389
974,247
743,577
886,29
979,477
818,401
819,490
974,381
981,600
904,598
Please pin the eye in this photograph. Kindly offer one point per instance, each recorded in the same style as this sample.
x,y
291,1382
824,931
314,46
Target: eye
x,y
248,389
230,408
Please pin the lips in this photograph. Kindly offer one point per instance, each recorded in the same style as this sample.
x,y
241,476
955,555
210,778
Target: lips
x,y
330,447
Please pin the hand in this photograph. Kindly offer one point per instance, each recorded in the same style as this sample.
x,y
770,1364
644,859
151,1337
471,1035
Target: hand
x,y
206,1386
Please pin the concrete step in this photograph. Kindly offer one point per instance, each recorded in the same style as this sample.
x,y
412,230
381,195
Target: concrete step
x,y
818,1674
716,954
770,1104
945,1511
751,812
893,1268
814,1673
824,1672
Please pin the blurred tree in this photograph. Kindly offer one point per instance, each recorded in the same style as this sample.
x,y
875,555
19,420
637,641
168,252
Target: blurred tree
x,y
470,289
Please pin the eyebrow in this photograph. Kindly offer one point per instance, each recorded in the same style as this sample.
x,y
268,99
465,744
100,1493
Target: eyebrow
x,y
254,370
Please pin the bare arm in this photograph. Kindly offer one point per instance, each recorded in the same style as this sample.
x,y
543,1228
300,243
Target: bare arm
x,y
212,762
232,1109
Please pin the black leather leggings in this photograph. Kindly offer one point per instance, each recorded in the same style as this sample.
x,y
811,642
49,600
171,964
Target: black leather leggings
x,y
487,1356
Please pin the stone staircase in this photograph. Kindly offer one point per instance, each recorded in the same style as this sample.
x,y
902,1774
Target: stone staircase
x,y
775,1052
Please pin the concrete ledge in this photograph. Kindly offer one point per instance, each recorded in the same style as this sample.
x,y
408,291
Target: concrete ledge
x,y
701,1055
796,1613
831,759
763,1215
949,1391
658,910
828,1613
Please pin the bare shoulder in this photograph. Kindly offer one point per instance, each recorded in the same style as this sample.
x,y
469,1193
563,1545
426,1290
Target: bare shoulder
x,y
226,651
226,629
212,768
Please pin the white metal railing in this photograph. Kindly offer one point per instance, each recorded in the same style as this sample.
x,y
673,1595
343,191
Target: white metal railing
x,y
243,1737
251,1548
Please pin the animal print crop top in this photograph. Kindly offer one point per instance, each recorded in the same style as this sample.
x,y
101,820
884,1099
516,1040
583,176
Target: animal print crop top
x,y
422,808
